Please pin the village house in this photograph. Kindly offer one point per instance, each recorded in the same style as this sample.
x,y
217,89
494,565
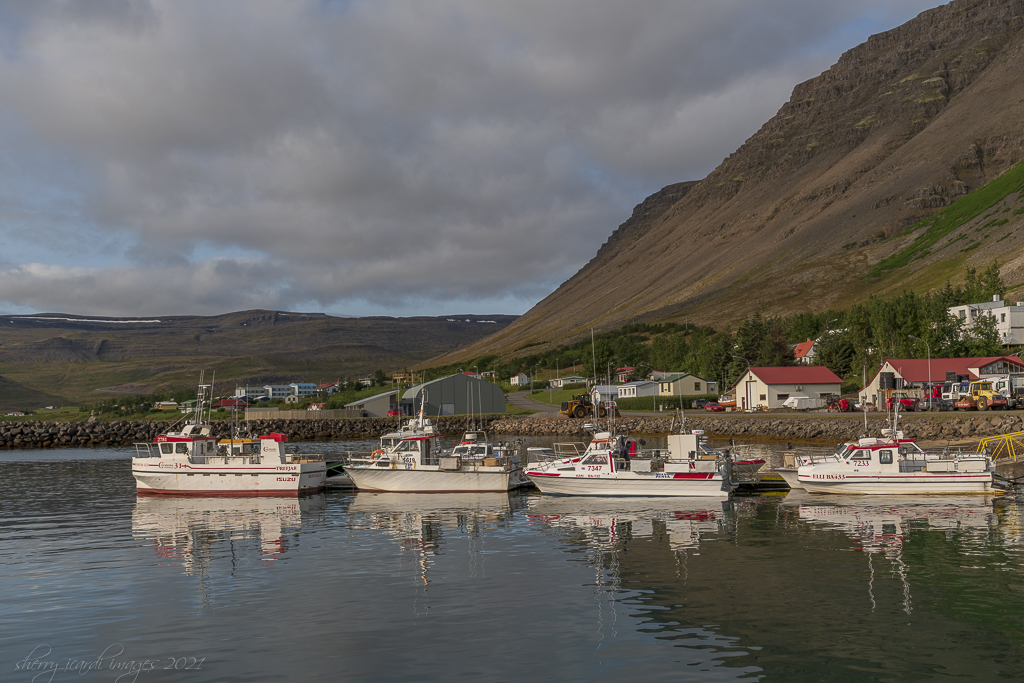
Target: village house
x,y
560,382
604,392
805,352
685,384
771,386
519,380
638,388
1009,320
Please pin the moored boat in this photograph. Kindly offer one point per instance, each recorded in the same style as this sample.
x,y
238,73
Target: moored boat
x,y
192,462
412,460
895,465
606,468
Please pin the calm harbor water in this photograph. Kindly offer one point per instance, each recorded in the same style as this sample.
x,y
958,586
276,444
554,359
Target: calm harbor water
x,y
100,585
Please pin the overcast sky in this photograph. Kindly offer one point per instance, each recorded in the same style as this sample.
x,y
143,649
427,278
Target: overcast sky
x,y
378,157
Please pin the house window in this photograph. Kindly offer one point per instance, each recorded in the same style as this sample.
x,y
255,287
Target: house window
x,y
963,315
696,386
782,397
763,397
1002,317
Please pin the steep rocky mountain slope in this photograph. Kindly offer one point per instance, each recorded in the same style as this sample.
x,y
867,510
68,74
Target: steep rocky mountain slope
x,y
803,212
71,357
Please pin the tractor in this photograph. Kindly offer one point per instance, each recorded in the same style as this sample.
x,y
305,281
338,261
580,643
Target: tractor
x,y
581,406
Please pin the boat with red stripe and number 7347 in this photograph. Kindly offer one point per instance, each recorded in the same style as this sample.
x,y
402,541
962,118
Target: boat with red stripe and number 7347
x,y
614,465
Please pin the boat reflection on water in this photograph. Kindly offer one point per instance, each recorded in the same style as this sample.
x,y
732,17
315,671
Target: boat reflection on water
x,y
406,515
880,524
189,529
606,521
421,520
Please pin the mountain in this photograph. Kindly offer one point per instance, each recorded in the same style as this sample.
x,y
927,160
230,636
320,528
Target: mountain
x,y
58,358
851,189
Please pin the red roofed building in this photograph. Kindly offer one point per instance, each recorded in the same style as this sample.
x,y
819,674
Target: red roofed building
x,y
232,403
771,386
912,374
804,352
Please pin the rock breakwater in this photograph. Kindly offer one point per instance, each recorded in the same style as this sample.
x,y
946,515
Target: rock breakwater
x,y
942,427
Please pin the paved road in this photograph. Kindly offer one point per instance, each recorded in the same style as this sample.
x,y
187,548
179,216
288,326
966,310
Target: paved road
x,y
521,399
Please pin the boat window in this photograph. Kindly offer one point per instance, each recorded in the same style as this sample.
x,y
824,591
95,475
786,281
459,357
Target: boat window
x,y
181,448
166,448
601,459
885,457
408,446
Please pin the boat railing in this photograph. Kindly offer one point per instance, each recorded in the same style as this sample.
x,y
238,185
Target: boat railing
x,y
794,457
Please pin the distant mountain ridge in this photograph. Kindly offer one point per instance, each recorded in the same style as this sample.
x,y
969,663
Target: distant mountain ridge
x,y
54,355
807,207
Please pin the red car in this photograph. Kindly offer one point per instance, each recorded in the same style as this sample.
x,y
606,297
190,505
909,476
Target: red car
x,y
714,408
394,412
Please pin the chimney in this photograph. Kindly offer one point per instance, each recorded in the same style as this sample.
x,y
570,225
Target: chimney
x,y
995,298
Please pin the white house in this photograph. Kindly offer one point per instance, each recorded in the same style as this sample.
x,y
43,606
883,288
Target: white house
x,y
520,380
805,352
771,386
302,389
560,382
277,390
637,389
1009,319
604,392
251,392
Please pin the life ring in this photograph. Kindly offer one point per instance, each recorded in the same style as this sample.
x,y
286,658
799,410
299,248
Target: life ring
x,y
373,456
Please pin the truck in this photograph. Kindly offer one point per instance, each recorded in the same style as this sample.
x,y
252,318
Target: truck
x,y
982,396
1011,387
581,405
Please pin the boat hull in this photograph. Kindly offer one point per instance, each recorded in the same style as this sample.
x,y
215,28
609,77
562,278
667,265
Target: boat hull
x,y
434,480
632,484
789,475
912,484
300,479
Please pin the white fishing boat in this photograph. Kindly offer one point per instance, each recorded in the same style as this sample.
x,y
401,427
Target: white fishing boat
x,y
193,462
894,465
412,460
605,468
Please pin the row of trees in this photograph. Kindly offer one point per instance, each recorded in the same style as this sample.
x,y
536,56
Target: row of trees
x,y
853,342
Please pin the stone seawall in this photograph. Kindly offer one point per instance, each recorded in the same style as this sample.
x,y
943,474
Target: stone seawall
x,y
830,428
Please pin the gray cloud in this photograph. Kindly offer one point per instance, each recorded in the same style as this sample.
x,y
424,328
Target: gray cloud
x,y
365,157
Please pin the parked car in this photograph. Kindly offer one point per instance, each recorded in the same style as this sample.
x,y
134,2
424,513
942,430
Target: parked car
x,y
713,407
700,403
933,403
394,412
906,402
